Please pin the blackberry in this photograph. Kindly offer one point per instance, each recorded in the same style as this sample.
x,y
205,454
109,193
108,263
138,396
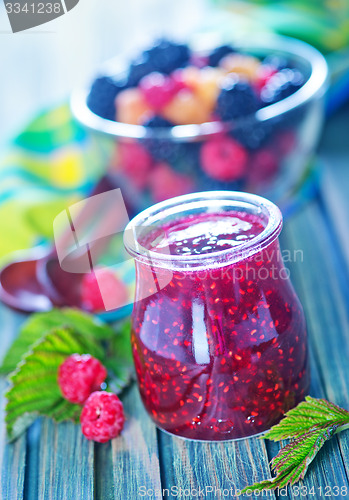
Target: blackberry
x,y
236,99
188,159
167,56
218,53
281,85
161,149
138,69
253,135
158,122
101,99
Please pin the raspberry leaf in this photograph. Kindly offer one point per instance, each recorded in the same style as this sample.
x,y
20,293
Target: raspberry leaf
x,y
305,416
39,324
309,425
34,389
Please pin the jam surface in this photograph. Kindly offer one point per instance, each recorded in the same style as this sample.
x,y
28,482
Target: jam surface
x,y
205,233
220,353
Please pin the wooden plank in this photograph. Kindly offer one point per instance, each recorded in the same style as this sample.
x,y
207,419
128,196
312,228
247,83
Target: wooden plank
x,y
334,193
12,461
226,467
322,472
316,281
334,154
135,453
66,462
104,478
12,456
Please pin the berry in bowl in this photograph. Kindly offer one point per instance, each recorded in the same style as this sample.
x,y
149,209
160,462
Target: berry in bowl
x,y
240,117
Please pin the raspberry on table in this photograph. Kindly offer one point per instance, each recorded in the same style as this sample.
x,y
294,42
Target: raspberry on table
x,y
91,285
79,375
102,417
223,159
218,53
236,99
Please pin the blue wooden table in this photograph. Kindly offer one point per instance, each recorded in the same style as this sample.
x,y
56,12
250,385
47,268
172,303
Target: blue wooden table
x,y
56,462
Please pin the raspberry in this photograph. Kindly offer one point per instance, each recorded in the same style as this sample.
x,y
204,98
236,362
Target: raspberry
x,y
105,280
223,159
264,73
159,89
286,141
165,183
102,417
101,99
135,162
218,53
264,165
79,375
236,99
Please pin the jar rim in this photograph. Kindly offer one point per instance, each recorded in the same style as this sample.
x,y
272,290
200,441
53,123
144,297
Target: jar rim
x,y
203,200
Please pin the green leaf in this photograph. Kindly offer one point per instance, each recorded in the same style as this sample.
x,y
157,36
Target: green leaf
x,y
119,359
39,324
309,425
307,414
34,389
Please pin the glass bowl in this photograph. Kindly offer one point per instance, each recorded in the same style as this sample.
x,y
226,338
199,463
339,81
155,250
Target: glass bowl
x,y
277,142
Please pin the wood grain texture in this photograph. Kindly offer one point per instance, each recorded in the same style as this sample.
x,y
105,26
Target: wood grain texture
x,y
66,463
12,462
318,286
135,453
12,456
334,154
104,478
189,465
56,462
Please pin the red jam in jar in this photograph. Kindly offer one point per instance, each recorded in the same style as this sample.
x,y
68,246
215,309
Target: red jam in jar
x,y
218,333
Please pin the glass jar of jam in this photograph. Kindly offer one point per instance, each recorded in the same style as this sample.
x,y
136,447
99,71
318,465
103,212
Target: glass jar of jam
x,y
218,333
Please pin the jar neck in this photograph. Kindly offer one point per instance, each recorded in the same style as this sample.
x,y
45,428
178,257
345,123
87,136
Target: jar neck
x,y
156,217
